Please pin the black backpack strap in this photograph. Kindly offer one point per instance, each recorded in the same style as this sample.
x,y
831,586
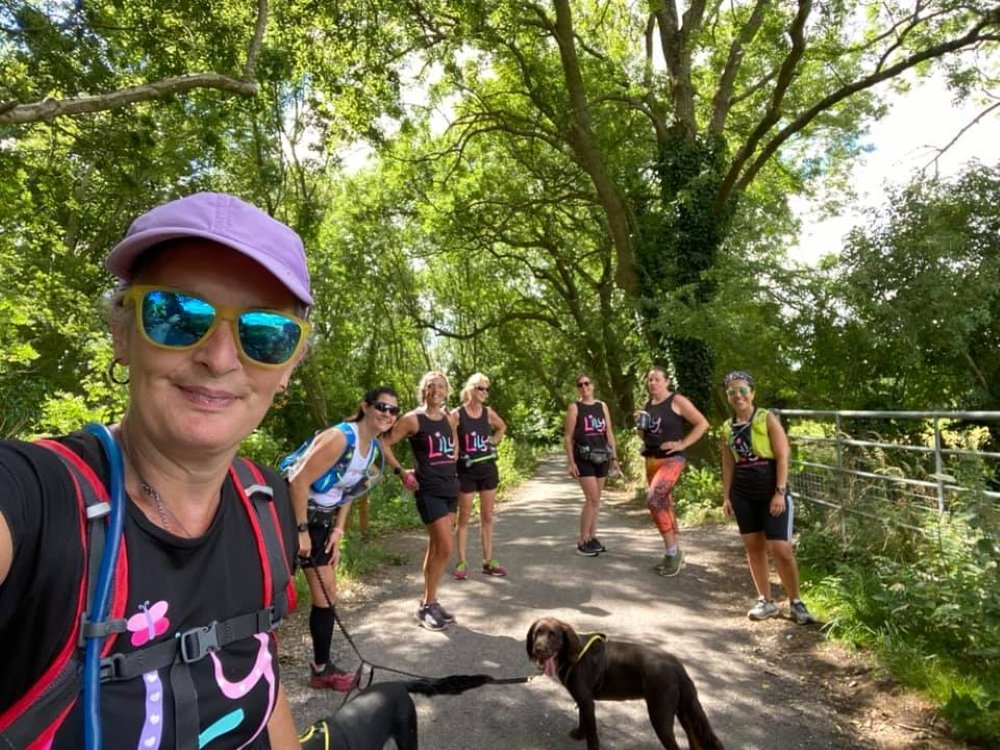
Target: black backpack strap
x,y
59,687
252,483
194,644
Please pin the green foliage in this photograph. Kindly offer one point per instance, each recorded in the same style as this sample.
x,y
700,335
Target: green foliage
x,y
921,590
914,316
515,461
699,495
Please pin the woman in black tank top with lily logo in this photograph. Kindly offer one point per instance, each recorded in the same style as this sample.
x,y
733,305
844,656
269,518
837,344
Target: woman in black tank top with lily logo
x,y
434,441
590,454
480,430
661,426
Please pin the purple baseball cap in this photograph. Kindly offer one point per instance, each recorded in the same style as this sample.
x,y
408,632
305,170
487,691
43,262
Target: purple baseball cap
x,y
224,219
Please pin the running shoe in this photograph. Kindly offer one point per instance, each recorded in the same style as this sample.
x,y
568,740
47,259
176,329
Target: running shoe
x,y
429,619
763,609
461,571
493,568
671,565
596,544
441,613
586,549
330,678
799,612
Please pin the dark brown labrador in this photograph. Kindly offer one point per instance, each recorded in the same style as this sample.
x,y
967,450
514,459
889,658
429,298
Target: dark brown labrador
x,y
596,669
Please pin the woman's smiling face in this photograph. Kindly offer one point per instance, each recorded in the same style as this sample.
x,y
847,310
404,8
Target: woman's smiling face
x,y
208,398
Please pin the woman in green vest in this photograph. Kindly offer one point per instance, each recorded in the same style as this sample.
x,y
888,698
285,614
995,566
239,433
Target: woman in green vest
x,y
755,490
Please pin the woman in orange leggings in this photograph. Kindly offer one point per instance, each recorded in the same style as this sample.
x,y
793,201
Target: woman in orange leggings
x,y
661,426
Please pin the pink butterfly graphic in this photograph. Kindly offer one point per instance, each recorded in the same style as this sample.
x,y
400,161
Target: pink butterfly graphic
x,y
148,623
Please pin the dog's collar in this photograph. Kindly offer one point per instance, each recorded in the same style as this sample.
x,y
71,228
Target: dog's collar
x,y
592,638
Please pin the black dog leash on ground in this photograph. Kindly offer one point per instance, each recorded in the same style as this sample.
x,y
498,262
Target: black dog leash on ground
x,y
454,684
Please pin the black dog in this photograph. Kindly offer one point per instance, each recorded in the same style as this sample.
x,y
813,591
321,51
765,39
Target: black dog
x,y
383,712
599,669
371,718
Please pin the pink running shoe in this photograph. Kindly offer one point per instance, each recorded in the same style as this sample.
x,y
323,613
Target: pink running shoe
x,y
493,568
331,678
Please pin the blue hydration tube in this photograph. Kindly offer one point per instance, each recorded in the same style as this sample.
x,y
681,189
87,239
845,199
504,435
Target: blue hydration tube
x,y
102,593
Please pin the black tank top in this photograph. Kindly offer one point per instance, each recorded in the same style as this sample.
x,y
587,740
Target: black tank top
x,y
591,426
473,433
664,424
433,454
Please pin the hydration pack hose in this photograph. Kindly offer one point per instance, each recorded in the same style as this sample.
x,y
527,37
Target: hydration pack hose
x,y
102,592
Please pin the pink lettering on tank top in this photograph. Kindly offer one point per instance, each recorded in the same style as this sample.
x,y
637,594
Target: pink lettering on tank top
x,y
594,425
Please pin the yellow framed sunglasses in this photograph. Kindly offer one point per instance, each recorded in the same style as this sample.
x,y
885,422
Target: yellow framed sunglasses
x,y
175,320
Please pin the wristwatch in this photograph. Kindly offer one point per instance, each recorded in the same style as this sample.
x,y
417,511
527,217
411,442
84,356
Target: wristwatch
x,y
304,526
780,490
397,470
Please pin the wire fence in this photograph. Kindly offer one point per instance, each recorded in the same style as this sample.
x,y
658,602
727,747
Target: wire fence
x,y
892,467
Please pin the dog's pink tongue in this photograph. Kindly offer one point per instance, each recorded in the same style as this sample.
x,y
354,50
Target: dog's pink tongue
x,y
549,666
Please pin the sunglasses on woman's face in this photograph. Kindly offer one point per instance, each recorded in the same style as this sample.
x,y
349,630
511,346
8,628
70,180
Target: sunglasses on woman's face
x,y
583,384
484,388
385,408
741,390
178,321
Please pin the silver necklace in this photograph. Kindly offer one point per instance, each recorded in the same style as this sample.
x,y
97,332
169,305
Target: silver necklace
x,y
165,513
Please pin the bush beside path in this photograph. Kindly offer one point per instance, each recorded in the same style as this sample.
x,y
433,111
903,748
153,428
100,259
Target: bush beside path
x,y
763,685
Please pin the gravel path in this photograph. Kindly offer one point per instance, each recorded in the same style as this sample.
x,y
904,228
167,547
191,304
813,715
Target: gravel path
x,y
763,685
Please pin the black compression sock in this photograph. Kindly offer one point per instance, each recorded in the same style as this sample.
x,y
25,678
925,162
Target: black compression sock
x,y
321,622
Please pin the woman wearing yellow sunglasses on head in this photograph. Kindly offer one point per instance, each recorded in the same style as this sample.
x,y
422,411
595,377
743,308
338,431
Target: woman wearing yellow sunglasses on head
x,y
755,490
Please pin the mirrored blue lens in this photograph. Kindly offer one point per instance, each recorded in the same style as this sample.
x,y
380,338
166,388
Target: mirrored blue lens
x,y
173,319
268,337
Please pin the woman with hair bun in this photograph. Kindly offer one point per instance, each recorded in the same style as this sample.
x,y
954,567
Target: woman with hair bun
x,y
661,426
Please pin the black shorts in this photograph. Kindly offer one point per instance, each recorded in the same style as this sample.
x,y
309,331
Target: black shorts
x,y
322,521
478,477
589,468
753,516
432,505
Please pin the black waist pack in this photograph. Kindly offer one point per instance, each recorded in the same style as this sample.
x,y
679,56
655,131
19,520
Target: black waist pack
x,y
594,455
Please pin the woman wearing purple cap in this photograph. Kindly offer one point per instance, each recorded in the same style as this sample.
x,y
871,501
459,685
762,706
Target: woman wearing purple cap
x,y
755,490
207,325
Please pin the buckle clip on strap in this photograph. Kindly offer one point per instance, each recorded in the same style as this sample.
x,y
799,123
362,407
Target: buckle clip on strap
x,y
268,619
197,642
111,667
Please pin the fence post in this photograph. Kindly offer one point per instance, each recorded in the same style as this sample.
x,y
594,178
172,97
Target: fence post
x,y
938,465
841,486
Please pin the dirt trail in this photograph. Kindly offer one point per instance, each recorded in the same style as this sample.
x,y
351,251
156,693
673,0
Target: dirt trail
x,y
763,685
